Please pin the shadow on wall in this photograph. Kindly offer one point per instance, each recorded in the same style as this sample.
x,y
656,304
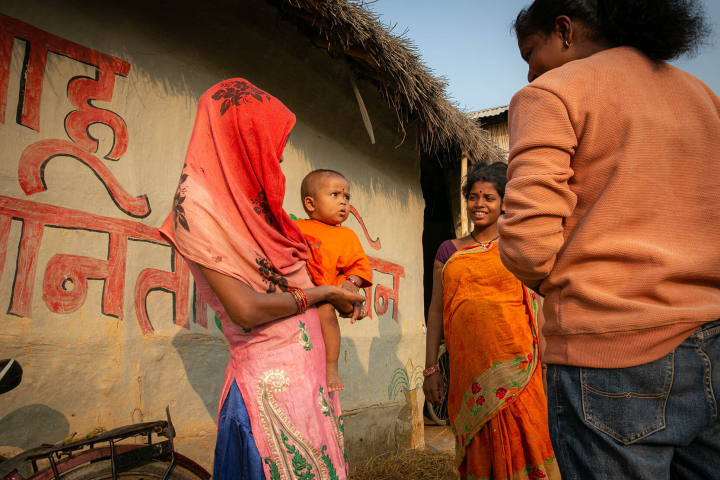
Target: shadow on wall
x,y
205,358
379,174
367,430
31,425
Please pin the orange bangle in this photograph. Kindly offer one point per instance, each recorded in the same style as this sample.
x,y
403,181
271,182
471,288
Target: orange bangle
x,y
429,371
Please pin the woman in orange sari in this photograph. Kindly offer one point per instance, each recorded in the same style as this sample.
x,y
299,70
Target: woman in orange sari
x,y
496,402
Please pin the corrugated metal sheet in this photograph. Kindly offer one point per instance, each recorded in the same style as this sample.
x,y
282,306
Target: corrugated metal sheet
x,y
488,112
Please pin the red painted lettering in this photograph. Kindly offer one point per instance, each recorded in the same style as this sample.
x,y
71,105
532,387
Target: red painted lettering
x,y
374,244
31,174
175,282
38,44
80,92
5,224
21,302
66,277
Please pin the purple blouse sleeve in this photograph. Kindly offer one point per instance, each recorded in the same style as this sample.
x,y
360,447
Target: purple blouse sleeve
x,y
445,251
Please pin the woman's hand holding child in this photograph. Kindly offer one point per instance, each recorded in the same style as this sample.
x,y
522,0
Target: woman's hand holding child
x,y
351,285
343,300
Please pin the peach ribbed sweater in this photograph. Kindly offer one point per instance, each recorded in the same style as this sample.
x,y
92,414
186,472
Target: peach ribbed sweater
x,y
614,204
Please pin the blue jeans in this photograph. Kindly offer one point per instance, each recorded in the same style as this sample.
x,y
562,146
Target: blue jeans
x,y
653,421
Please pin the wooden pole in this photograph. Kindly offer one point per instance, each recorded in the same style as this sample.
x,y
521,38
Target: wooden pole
x,y
464,224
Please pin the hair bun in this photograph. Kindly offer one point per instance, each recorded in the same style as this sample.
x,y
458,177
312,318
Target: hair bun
x,y
661,29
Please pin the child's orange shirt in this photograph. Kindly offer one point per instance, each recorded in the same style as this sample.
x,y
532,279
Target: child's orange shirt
x,y
335,254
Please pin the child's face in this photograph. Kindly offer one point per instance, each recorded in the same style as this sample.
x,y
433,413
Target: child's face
x,y
484,204
331,203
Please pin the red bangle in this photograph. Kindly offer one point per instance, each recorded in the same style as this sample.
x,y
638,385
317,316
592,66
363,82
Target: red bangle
x,y
429,371
353,282
300,299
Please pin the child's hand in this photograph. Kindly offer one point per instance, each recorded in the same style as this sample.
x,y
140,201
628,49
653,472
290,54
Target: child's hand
x,y
344,302
349,286
358,313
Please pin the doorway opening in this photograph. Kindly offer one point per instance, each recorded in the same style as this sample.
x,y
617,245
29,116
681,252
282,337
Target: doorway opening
x,y
438,223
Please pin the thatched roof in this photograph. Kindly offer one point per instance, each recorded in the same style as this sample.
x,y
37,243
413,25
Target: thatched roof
x,y
392,62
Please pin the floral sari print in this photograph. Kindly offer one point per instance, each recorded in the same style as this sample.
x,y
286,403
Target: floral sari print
x,y
496,402
227,216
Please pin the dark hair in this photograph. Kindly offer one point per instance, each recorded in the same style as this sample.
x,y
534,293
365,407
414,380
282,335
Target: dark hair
x,y
495,173
313,181
661,29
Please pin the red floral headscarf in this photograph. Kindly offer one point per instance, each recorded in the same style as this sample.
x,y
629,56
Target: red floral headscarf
x,y
227,213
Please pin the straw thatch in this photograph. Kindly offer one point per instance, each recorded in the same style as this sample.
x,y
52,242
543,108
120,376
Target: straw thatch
x,y
408,464
392,62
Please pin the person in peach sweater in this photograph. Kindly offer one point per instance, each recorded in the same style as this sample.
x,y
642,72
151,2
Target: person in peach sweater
x,y
612,211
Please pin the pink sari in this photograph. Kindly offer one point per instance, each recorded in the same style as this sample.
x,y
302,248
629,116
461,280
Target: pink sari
x,y
227,216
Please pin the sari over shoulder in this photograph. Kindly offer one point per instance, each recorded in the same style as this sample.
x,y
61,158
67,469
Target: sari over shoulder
x,y
491,336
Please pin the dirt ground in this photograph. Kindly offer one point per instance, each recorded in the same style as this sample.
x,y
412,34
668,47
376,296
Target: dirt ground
x,y
439,439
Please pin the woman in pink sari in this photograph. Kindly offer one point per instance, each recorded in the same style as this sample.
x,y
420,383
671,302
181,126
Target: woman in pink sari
x,y
248,259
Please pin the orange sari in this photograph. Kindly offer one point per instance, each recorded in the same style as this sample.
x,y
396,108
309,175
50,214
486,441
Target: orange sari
x,y
496,402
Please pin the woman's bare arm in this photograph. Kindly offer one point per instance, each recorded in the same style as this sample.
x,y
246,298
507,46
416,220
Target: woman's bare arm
x,y
435,320
434,387
249,309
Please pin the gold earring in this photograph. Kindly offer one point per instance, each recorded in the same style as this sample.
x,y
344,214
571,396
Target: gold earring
x,y
567,44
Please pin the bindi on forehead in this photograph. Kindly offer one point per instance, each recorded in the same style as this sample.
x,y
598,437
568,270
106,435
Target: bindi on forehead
x,y
483,186
338,183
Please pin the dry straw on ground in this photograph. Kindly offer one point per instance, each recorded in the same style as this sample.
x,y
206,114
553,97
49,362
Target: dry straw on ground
x,y
415,464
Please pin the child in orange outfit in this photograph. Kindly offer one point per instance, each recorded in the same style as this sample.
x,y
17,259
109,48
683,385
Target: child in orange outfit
x,y
336,256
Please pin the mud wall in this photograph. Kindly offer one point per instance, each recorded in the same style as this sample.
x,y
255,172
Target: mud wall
x,y
97,103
